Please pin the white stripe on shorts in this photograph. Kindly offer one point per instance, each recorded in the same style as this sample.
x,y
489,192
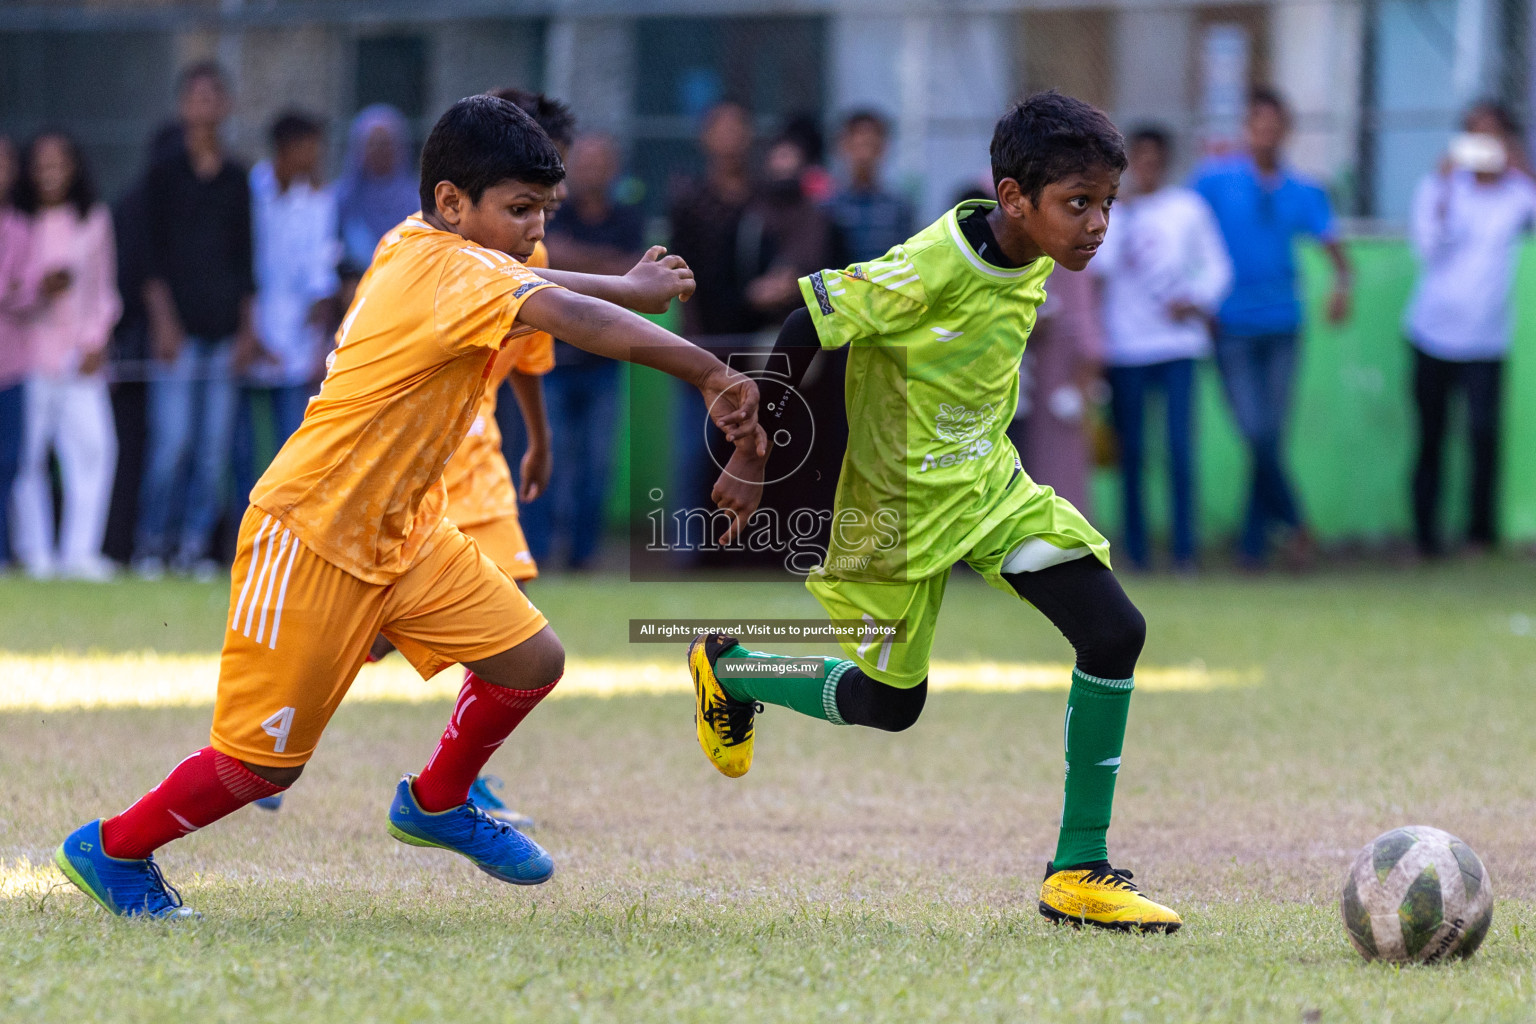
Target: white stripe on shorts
x,y
250,573
283,592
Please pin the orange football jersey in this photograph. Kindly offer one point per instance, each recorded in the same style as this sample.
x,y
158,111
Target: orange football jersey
x,y
360,481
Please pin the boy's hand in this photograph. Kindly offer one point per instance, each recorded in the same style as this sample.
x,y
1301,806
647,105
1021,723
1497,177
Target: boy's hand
x,y
533,472
249,352
731,399
55,282
657,279
165,338
92,362
739,490
1338,304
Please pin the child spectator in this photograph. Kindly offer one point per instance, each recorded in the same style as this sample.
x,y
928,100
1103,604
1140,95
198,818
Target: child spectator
x,y
294,236
1467,221
870,218
200,301
1165,270
68,410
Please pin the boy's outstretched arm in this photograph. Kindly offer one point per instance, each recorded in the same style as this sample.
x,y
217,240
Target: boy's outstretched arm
x,y
604,329
649,287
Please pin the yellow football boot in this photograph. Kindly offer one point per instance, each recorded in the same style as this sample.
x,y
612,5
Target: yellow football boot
x,y
1102,896
723,723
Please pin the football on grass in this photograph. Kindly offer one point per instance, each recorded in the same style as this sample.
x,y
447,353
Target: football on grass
x,y
1416,894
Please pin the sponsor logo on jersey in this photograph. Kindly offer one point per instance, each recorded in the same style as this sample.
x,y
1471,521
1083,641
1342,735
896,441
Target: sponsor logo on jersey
x,y
971,452
943,335
958,424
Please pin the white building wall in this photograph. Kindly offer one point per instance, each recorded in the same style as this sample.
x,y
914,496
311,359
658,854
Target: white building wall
x,y
942,79
1315,48
590,64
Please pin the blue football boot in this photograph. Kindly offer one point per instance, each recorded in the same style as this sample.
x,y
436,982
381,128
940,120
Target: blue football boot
x,y
494,847
493,805
270,803
128,888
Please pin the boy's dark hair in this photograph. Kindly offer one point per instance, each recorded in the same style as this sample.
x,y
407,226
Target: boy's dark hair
x,y
209,69
292,126
1264,96
481,141
553,116
867,118
1048,137
82,190
1154,134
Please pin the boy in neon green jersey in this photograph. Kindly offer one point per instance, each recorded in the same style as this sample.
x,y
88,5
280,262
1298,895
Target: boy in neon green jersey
x,y
936,330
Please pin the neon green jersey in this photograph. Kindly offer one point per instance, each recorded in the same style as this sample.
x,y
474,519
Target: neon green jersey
x,y
936,336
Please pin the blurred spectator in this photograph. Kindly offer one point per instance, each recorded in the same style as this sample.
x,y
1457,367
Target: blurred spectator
x,y
1164,270
378,187
791,234
710,229
706,222
130,349
594,235
199,297
1052,428
67,407
295,252
18,290
870,218
1467,220
1261,206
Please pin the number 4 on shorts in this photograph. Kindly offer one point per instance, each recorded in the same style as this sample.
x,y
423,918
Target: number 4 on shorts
x,y
278,727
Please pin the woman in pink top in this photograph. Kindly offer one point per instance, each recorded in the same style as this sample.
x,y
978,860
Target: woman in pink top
x,y
67,406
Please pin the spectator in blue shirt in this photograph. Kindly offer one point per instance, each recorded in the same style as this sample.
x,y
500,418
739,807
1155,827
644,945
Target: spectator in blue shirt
x,y
869,218
1261,205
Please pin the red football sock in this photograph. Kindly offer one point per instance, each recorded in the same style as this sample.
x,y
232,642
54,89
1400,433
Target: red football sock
x,y
483,718
199,791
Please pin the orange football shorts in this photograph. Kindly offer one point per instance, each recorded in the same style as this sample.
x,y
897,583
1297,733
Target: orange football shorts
x,y
299,629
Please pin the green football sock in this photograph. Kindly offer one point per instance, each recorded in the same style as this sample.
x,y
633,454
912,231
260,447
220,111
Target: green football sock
x,y
1093,735
810,695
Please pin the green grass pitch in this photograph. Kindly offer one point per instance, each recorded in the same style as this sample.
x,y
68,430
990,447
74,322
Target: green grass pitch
x,y
851,875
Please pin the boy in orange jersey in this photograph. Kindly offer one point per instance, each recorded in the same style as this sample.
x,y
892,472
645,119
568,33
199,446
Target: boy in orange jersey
x,y
346,538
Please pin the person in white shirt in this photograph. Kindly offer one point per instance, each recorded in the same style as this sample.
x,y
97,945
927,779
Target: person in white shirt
x,y
1467,219
1165,270
293,220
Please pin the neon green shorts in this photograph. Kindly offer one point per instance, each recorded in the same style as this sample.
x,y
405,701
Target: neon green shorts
x,y
1042,530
